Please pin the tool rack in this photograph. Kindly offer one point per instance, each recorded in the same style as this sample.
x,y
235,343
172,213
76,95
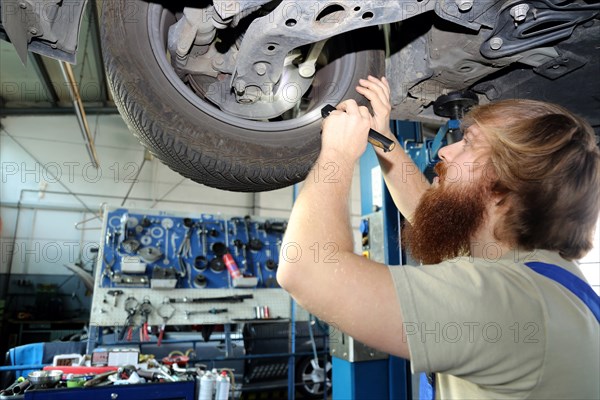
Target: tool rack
x,y
157,269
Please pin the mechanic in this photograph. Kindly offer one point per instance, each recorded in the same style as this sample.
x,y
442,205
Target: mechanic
x,y
521,188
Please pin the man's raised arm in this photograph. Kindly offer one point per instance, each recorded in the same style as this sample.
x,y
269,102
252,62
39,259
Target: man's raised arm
x,y
402,176
317,265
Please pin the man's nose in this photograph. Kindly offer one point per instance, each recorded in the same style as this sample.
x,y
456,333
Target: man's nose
x,y
448,152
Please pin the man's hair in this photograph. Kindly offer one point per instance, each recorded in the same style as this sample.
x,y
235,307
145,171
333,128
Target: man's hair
x,y
547,168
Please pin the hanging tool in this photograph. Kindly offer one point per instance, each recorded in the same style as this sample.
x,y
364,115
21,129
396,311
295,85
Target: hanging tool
x,y
115,294
375,138
145,310
275,226
259,272
165,311
202,231
211,311
238,298
174,239
131,305
167,223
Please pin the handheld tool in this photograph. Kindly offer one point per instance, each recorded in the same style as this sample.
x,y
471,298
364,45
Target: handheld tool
x,y
211,311
165,311
115,294
237,298
99,378
375,138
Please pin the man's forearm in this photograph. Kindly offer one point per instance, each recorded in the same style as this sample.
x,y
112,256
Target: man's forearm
x,y
403,179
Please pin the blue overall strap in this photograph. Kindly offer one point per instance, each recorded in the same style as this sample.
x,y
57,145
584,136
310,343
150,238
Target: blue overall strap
x,y
576,285
426,386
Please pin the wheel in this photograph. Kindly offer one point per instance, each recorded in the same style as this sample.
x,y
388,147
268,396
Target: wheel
x,y
312,379
172,118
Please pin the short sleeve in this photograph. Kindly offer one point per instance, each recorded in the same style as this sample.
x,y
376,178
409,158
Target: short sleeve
x,y
483,323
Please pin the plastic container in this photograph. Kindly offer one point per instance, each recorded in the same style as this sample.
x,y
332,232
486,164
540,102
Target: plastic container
x,y
207,386
232,267
222,387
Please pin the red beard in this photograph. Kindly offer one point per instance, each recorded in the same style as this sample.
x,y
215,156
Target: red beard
x,y
446,219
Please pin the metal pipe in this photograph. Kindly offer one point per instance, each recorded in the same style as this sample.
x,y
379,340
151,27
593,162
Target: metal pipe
x,y
12,255
134,181
80,111
56,208
168,192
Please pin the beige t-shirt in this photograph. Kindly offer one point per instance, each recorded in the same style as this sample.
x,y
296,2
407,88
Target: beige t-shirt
x,y
495,329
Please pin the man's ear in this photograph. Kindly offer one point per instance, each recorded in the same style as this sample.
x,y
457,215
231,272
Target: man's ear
x,y
500,200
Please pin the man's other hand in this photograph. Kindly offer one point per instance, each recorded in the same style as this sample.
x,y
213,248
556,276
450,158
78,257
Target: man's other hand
x,y
377,91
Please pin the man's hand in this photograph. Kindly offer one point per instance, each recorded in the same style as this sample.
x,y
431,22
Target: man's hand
x,y
377,91
346,130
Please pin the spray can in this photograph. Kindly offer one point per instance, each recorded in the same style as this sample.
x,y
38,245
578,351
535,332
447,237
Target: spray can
x,y
222,387
232,267
207,386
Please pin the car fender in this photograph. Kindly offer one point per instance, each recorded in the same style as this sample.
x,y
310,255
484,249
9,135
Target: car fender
x,y
49,28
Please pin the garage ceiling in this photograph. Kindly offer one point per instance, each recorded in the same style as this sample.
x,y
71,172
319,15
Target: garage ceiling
x,y
40,86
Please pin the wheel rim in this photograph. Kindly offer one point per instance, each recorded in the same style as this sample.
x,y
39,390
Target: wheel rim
x,y
315,379
339,71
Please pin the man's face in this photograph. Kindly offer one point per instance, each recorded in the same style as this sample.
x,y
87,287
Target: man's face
x,y
453,210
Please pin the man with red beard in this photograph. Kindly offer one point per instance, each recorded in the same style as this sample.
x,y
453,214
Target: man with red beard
x,y
517,197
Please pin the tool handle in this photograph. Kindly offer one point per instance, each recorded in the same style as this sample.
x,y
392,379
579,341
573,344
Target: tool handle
x,y
375,138
160,336
383,142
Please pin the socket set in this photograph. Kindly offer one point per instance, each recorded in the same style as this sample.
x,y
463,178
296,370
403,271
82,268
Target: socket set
x,y
207,252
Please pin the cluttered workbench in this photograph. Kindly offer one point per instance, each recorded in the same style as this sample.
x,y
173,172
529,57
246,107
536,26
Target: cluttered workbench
x,y
53,384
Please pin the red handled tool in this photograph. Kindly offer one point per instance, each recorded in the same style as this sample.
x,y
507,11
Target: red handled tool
x,y
165,311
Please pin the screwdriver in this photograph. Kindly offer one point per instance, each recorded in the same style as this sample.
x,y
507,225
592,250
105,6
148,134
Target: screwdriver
x,y
375,138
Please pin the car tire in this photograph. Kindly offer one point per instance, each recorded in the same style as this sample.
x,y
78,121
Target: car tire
x,y
197,139
311,383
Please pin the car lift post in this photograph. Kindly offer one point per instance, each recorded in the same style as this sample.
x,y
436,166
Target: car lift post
x,y
361,373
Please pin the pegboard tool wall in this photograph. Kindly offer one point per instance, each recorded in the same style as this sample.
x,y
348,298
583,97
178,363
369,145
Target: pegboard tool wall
x,y
175,264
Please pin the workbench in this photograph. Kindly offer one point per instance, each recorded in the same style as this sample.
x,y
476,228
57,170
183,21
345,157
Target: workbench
x,y
146,391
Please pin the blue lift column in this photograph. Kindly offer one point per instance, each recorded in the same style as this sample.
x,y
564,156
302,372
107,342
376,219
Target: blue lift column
x,y
360,372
